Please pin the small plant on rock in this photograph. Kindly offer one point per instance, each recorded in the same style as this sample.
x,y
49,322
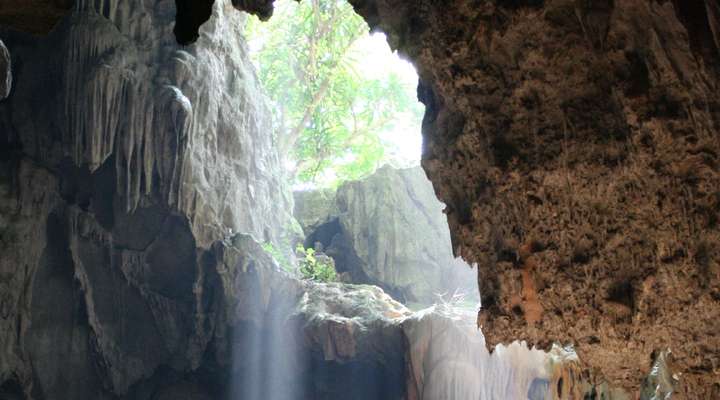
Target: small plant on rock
x,y
316,267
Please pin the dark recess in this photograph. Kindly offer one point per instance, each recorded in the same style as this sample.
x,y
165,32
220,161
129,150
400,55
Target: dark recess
x,y
324,235
11,390
193,13
504,150
622,292
91,191
514,4
190,15
694,16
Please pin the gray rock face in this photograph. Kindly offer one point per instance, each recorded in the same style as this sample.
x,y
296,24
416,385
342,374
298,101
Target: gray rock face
x,y
388,230
354,341
314,208
138,180
5,71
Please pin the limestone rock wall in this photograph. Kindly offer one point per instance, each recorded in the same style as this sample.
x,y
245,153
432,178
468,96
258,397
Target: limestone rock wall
x,y
313,208
576,146
139,178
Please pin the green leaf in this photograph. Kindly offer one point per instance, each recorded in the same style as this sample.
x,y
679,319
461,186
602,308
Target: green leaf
x,y
332,112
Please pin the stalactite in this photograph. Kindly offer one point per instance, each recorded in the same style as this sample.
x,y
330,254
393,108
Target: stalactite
x,y
5,71
94,90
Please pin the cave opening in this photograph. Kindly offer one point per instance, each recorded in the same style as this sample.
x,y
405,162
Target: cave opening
x,y
348,127
153,248
372,232
344,103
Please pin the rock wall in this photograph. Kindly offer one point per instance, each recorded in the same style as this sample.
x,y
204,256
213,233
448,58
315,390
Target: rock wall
x,y
313,208
388,230
139,179
576,146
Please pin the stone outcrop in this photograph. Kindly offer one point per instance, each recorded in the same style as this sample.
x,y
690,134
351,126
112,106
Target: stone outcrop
x,y
378,349
389,230
5,71
576,147
353,341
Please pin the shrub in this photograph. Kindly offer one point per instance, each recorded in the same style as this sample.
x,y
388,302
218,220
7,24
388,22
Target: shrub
x,y
313,268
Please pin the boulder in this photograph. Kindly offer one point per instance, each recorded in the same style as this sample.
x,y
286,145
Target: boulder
x,y
389,230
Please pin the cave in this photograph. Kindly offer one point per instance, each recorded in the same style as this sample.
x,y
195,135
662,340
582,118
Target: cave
x,y
569,164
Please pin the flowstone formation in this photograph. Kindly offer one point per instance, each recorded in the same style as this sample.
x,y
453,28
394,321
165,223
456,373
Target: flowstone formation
x,y
387,229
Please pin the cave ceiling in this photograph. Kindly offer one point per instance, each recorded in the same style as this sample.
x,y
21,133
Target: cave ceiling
x,y
576,146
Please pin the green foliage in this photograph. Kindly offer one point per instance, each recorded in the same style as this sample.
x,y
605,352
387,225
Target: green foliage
x,y
314,269
279,257
332,113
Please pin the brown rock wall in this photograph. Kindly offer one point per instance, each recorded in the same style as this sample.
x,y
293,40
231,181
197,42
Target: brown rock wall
x,y
576,145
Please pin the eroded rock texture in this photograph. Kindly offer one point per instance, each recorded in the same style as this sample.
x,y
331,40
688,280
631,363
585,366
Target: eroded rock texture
x,y
378,349
387,229
576,146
